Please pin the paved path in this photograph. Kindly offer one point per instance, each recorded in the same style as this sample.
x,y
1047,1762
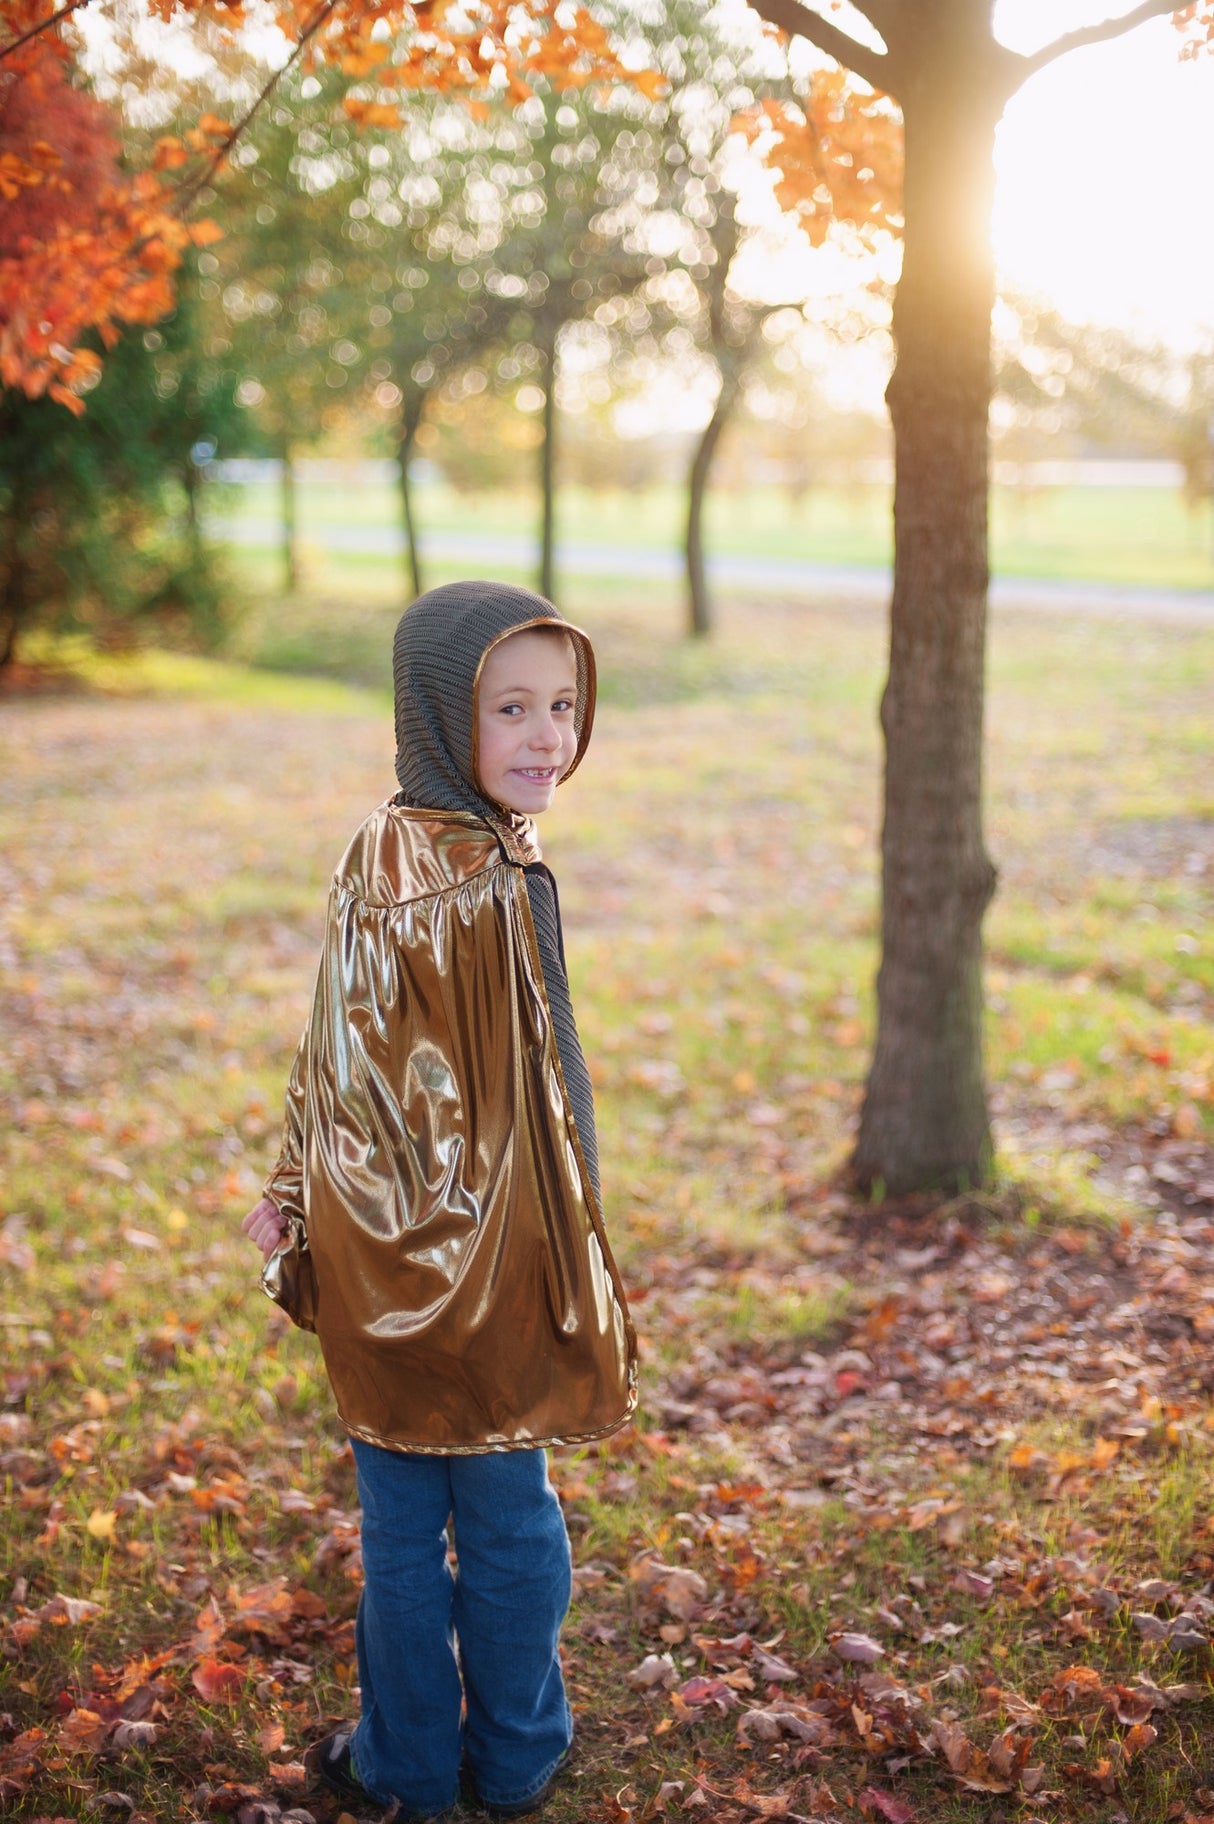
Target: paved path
x,y
861,582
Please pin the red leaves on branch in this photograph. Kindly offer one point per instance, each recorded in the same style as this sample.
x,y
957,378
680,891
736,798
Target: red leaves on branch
x,y
83,246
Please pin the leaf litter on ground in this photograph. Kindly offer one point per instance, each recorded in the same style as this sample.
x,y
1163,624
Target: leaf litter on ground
x,y
916,1518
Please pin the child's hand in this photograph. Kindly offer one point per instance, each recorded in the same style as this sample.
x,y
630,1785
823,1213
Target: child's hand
x,y
265,1225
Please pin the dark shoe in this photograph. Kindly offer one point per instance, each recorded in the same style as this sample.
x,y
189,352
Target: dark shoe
x,y
522,1808
329,1762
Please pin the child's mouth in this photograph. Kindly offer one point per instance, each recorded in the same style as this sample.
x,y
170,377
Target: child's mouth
x,y
540,773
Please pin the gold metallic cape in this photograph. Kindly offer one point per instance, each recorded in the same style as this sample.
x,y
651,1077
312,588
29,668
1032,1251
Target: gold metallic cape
x,y
445,1240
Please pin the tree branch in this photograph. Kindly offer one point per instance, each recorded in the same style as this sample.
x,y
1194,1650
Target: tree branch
x,y
883,14
1091,34
45,25
800,21
188,191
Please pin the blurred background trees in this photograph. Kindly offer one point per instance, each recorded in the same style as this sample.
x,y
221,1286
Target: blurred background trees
x,y
517,288
483,282
102,530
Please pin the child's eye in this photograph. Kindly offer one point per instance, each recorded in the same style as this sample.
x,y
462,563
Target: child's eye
x,y
563,706
510,709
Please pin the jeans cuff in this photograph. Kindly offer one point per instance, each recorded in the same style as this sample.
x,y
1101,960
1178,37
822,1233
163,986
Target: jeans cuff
x,y
520,1797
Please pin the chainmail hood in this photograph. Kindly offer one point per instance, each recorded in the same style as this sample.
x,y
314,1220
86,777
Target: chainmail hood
x,y
441,643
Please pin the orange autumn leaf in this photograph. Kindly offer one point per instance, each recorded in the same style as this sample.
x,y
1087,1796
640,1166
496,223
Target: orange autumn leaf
x,y
364,55
1136,1738
82,1732
1105,1452
837,155
170,153
217,1680
372,113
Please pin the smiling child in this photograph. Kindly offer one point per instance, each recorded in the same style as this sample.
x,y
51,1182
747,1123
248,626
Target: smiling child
x,y
434,1214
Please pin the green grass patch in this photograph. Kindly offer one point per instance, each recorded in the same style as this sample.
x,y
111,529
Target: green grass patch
x,y
1129,535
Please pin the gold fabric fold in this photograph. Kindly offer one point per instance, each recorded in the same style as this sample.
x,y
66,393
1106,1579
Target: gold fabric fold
x,y
461,1283
288,1277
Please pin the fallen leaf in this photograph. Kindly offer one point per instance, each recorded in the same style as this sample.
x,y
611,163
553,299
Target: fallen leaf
x,y
874,1803
1134,1706
70,1609
655,1669
1190,1693
859,1649
134,1735
82,1732
140,1238
995,1701
1025,1457
701,1690
955,1744
215,1680
670,1586
307,1605
974,1585
772,1670
266,1610
1103,1776
770,1724
1135,1739
1075,1687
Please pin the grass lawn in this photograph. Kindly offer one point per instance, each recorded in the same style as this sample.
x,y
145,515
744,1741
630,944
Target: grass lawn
x,y
1139,535
915,1524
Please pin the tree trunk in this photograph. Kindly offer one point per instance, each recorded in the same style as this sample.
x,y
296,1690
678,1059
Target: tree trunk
x,y
547,577
10,618
411,417
731,358
925,1120
191,482
290,547
14,591
699,601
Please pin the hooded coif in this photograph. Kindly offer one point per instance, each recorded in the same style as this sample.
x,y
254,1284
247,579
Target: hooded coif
x,y
441,642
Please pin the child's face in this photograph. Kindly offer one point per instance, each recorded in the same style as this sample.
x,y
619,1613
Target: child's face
x,y
526,723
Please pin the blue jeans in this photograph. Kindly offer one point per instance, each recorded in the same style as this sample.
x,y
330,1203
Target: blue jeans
x,y
508,1718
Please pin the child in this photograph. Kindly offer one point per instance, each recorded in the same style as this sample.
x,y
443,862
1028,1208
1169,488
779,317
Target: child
x,y
434,1214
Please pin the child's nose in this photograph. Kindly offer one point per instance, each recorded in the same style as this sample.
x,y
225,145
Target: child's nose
x,y
547,734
